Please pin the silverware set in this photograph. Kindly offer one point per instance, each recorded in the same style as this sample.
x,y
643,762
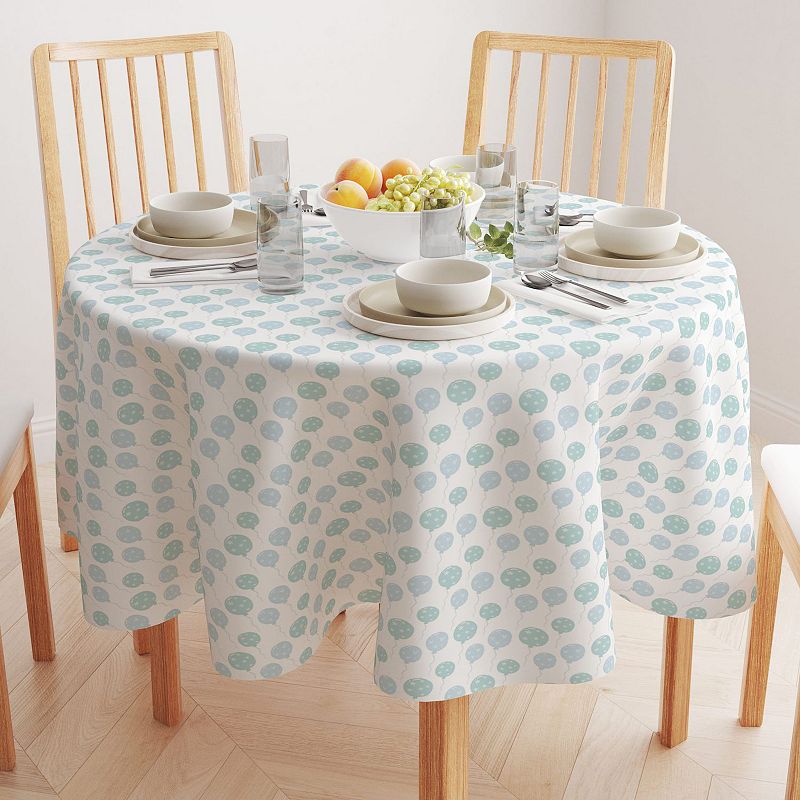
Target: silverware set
x,y
548,280
241,265
307,208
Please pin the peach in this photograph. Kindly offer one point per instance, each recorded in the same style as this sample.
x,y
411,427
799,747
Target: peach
x,y
398,166
363,172
347,193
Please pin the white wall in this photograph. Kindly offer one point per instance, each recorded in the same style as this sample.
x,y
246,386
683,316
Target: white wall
x,y
735,165
341,79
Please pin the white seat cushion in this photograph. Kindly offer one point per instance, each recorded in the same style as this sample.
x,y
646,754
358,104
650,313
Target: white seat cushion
x,y
781,463
15,416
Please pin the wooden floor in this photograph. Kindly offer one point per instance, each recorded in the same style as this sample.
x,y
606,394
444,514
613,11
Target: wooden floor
x,y
84,730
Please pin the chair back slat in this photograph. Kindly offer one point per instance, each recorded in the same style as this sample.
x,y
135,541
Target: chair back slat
x,y
599,122
138,141
569,126
197,131
166,124
111,151
128,50
578,50
512,96
541,116
627,125
80,133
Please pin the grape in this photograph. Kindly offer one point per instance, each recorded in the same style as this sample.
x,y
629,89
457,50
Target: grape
x,y
433,188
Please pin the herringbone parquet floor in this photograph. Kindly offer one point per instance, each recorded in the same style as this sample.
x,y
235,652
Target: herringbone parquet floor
x,y
84,730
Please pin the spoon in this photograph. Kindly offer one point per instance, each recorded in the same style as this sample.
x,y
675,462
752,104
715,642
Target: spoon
x,y
567,220
536,281
235,266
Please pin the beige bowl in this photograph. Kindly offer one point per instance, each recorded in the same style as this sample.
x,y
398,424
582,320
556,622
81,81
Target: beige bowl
x,y
443,287
191,215
636,231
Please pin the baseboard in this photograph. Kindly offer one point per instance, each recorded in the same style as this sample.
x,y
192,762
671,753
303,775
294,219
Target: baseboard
x,y
774,420
44,439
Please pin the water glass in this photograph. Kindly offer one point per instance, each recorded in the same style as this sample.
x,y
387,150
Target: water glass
x,y
535,226
269,165
280,243
496,173
442,232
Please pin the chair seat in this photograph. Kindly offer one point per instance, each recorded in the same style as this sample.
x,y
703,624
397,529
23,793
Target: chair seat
x,y
15,416
781,464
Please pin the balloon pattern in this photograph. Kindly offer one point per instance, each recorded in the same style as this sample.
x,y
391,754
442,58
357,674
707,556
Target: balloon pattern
x,y
259,452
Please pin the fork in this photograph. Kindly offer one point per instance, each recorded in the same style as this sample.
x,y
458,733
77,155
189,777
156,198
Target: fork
x,y
305,206
557,279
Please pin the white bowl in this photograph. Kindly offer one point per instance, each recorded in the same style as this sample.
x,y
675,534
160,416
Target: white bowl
x,y
443,287
456,163
191,215
636,231
385,235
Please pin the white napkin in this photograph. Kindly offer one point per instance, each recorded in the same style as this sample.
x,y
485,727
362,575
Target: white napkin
x,y
140,272
550,298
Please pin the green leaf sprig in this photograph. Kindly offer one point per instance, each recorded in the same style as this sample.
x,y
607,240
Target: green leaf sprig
x,y
495,241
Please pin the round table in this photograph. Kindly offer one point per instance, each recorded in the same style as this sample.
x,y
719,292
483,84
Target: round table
x,y
489,493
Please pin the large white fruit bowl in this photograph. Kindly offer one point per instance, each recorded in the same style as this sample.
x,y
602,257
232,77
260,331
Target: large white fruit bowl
x,y
385,235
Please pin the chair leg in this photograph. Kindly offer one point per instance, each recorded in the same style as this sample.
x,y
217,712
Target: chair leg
x,y
165,672
444,749
676,680
8,756
762,624
793,776
141,641
34,566
69,543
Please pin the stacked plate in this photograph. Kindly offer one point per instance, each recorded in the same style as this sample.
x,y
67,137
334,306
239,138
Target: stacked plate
x,y
238,240
377,309
581,255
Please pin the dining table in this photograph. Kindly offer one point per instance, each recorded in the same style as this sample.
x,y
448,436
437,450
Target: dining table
x,y
258,453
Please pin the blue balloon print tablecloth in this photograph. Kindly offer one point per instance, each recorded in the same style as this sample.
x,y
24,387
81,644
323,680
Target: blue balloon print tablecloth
x,y
489,493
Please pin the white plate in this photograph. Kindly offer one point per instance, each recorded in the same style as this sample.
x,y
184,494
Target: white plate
x,y
633,273
423,333
242,230
380,301
190,253
581,246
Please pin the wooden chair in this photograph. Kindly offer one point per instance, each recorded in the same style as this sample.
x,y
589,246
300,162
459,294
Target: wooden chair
x,y
778,536
444,725
18,477
577,49
161,640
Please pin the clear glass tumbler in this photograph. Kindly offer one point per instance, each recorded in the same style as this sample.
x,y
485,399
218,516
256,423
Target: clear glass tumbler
x,y
442,232
535,226
280,243
269,165
496,173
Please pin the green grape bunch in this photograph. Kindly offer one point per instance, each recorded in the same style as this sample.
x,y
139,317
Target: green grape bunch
x,y
432,188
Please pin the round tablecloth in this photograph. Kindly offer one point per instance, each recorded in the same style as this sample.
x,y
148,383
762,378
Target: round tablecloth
x,y
489,493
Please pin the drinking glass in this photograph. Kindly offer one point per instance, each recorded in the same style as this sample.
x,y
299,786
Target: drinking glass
x,y
269,165
535,226
442,232
280,243
496,173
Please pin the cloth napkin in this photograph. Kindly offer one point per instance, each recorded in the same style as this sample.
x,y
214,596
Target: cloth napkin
x,y
140,272
550,298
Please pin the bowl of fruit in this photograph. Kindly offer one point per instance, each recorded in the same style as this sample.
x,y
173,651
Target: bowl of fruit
x,y
377,210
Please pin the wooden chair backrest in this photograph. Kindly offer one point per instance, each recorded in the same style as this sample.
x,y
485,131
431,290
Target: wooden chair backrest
x,y
129,50
578,49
